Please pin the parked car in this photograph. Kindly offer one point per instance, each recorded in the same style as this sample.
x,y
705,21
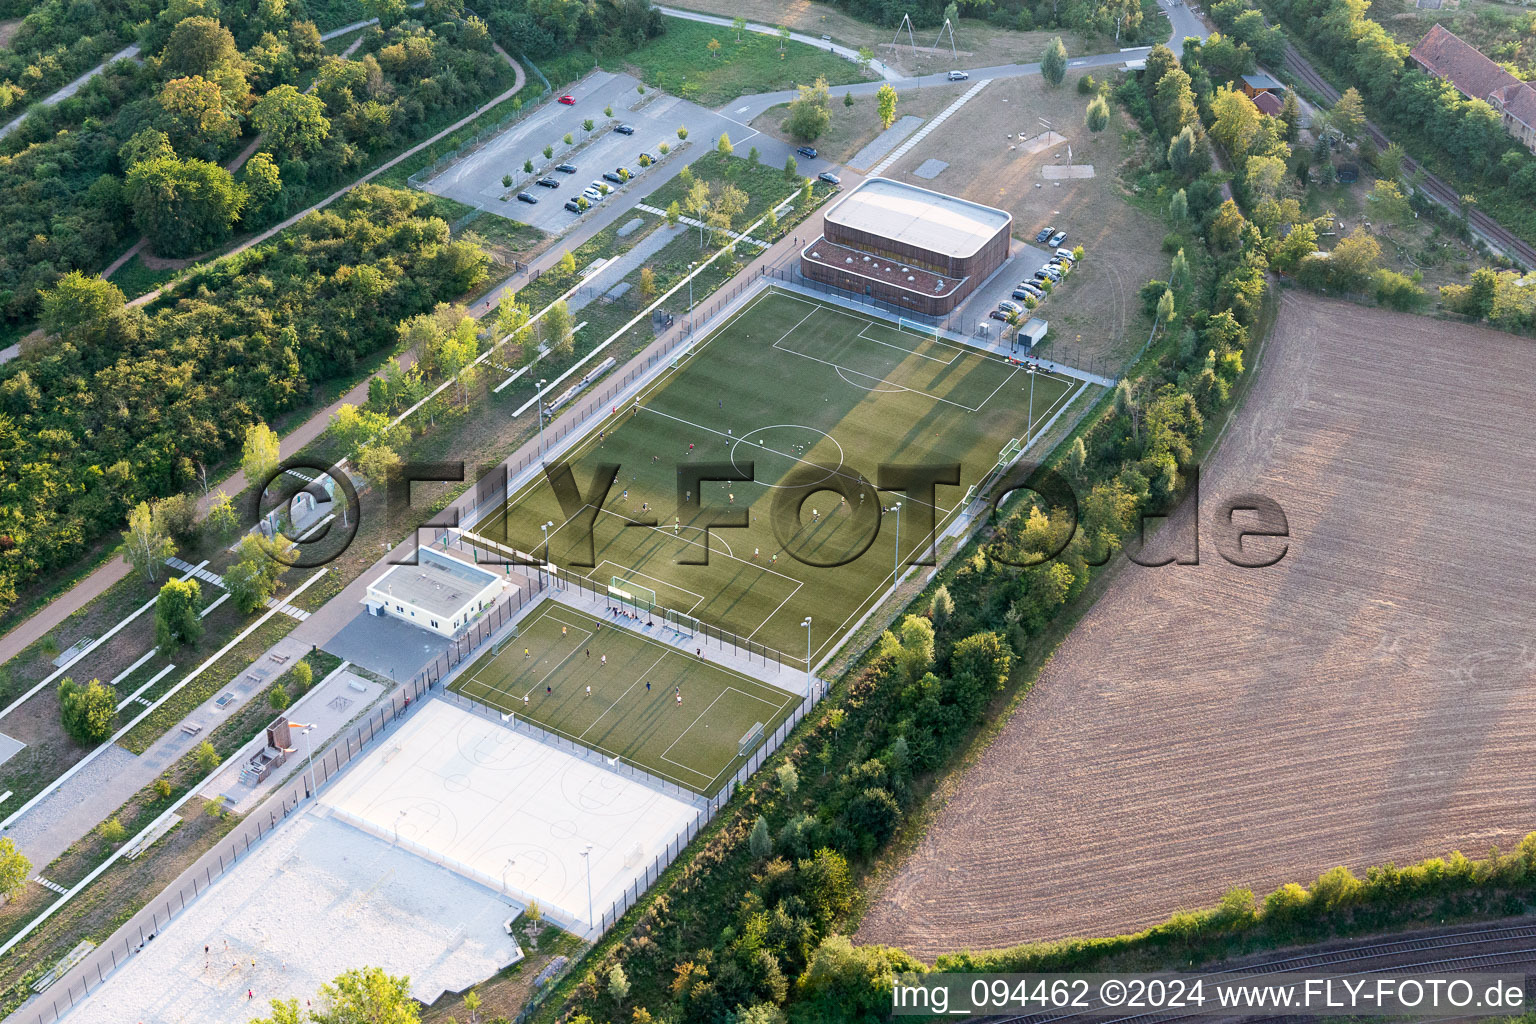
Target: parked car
x,y
645,158
1010,307
1066,254
529,198
998,314
958,76
625,129
592,195
548,183
830,178
573,206
1022,294
1062,267
602,187
807,151
1045,233
568,100
613,177
1043,275
1056,239
624,172
566,168
1031,288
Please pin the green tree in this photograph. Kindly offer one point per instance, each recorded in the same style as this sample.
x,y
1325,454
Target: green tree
x,y
682,133
618,984
1290,113
1053,66
263,185
303,676
1388,201
1178,275
277,697
197,117
1348,114
87,712
1236,121
885,105
788,779
293,121
1178,207
557,328
587,124
714,51
147,542
811,111
1098,114
567,263
674,213
791,167
259,454
112,830
738,25
176,618
15,870
222,518
723,146
252,579
783,33
184,206
198,46
366,996
206,758
163,788
760,842
80,306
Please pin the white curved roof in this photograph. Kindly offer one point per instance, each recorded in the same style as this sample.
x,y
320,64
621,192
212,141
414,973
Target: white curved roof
x,y
916,216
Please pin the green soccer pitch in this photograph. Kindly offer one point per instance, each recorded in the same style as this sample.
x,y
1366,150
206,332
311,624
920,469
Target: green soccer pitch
x,y
787,383
543,672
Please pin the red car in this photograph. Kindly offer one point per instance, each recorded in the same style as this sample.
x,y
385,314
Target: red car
x,y
568,100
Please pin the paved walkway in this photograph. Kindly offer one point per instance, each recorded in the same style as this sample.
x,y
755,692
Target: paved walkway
x,y
128,52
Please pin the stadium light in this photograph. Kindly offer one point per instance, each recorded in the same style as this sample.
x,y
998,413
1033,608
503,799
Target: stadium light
x,y
586,855
510,862
807,625
1029,425
309,754
896,566
545,528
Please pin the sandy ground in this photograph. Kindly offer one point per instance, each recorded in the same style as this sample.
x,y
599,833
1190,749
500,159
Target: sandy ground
x,y
315,899
1366,700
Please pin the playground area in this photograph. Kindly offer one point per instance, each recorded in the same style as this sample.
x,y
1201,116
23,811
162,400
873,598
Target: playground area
x,y
315,899
798,404
510,811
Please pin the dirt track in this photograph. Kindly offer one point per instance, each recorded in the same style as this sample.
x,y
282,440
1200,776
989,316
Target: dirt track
x,y
1370,698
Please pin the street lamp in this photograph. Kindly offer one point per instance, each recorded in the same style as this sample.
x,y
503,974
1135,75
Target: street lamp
x,y
896,566
586,855
545,527
540,399
1029,426
397,825
807,625
309,754
509,864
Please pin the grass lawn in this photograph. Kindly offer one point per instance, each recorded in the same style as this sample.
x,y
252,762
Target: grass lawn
x,y
749,395
632,708
135,279
680,62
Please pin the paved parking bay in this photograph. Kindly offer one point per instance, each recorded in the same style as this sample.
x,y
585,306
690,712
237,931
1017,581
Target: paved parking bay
x,y
1021,266
476,179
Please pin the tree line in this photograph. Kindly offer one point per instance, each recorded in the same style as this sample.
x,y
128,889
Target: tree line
x,y
122,404
140,149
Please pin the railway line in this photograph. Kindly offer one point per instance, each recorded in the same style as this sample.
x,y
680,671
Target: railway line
x,y
1475,949
1438,190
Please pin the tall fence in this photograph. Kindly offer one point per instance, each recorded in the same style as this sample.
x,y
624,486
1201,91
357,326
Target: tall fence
x,y
788,271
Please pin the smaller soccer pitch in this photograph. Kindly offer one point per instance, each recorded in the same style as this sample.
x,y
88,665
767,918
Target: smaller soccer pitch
x,y
625,695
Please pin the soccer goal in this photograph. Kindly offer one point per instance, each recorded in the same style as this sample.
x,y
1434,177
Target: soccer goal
x,y
903,324
499,644
684,624
751,739
628,592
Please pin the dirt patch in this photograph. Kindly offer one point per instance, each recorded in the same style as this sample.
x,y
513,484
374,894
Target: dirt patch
x,y
979,44
1365,700
992,146
8,30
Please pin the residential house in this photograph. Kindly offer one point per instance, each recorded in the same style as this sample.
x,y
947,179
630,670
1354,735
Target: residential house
x,y
1445,55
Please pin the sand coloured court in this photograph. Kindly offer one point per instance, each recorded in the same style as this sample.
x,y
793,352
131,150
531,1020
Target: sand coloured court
x,y
506,809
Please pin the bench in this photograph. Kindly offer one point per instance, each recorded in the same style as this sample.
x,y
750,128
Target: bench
x,y
357,686
191,728
280,658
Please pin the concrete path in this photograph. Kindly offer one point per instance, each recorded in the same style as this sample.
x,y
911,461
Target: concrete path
x,y
616,270
889,74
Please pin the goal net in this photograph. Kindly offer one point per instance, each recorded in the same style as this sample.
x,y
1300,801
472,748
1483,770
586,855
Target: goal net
x,y
685,624
751,739
913,327
631,593
497,645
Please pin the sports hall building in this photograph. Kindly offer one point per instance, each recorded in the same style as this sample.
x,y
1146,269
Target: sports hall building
x,y
908,246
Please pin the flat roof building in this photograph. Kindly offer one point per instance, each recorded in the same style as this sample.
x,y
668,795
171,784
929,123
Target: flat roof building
x,y
908,246
439,593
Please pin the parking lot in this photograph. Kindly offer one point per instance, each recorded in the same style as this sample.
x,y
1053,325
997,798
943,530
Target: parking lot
x,y
477,178
1021,266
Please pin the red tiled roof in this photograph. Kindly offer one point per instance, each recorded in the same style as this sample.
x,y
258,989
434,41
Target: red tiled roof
x,y
1445,54
1520,103
1269,103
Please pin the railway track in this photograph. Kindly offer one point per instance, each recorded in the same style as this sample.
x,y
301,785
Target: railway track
x,y
1426,953
1438,190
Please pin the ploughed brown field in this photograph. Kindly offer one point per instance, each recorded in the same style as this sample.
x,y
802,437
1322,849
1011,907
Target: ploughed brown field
x,y
1371,698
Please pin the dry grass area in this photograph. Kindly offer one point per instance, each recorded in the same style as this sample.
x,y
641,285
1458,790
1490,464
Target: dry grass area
x,y
1366,700
1097,317
978,44
8,30
852,128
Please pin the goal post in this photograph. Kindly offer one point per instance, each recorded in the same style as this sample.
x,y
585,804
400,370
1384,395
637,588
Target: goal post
x,y
912,326
499,644
749,740
631,593
684,624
